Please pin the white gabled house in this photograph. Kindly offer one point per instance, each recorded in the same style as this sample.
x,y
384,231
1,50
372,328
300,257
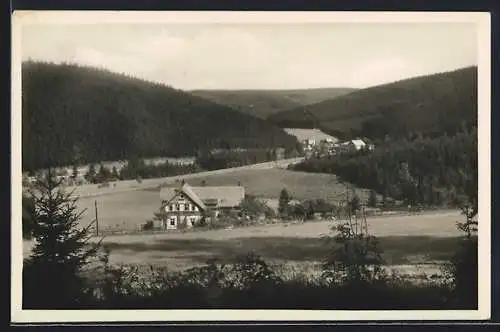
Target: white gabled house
x,y
186,206
352,145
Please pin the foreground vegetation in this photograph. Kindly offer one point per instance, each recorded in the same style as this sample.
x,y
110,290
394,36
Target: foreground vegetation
x,y
251,283
65,270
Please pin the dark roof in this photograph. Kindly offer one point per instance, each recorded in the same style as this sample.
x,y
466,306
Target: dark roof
x,y
225,196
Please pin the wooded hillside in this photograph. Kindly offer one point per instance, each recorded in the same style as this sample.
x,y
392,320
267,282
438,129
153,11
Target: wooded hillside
x,y
431,105
80,114
262,103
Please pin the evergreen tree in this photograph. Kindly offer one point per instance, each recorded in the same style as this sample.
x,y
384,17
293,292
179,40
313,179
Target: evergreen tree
x,y
309,210
134,168
284,200
27,218
91,174
52,274
74,173
114,173
355,204
372,199
103,175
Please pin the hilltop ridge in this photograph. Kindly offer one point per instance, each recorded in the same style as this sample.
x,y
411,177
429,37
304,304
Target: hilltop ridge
x,y
431,104
263,103
81,114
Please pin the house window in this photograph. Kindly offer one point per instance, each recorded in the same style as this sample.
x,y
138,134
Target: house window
x,y
178,207
187,207
172,221
172,207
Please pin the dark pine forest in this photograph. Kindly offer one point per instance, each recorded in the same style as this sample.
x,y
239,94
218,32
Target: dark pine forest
x,y
74,114
430,105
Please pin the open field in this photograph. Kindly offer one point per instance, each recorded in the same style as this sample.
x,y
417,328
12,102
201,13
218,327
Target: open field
x,y
268,183
406,240
91,190
185,253
314,134
128,209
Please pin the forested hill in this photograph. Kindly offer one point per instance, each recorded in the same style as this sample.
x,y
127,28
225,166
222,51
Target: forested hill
x,y
262,103
431,105
80,114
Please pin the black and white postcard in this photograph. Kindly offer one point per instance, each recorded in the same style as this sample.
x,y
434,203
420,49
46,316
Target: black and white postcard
x,y
217,166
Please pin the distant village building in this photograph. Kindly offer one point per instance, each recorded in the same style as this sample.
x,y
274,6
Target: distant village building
x,y
190,205
173,161
352,145
314,142
328,147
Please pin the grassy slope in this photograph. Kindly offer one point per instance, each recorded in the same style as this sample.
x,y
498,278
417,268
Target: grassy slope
x,y
73,112
130,209
429,104
262,103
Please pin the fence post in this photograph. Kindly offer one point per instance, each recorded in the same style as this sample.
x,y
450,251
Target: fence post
x,y
96,219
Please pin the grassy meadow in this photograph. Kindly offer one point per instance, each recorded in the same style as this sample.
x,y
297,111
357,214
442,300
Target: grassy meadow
x,y
267,183
129,209
406,240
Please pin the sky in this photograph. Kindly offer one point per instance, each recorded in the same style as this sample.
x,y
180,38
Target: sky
x,y
258,56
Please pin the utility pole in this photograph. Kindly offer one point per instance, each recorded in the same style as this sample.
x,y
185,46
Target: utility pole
x,y
348,206
364,221
96,219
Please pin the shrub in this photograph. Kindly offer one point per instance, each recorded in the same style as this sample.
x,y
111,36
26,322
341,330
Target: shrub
x,y
251,283
148,226
251,270
463,267
105,184
355,257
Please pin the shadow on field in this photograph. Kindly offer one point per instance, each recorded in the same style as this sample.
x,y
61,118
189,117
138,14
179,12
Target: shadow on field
x,y
397,250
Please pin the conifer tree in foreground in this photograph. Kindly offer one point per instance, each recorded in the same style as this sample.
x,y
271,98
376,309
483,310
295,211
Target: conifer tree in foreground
x,y
52,274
